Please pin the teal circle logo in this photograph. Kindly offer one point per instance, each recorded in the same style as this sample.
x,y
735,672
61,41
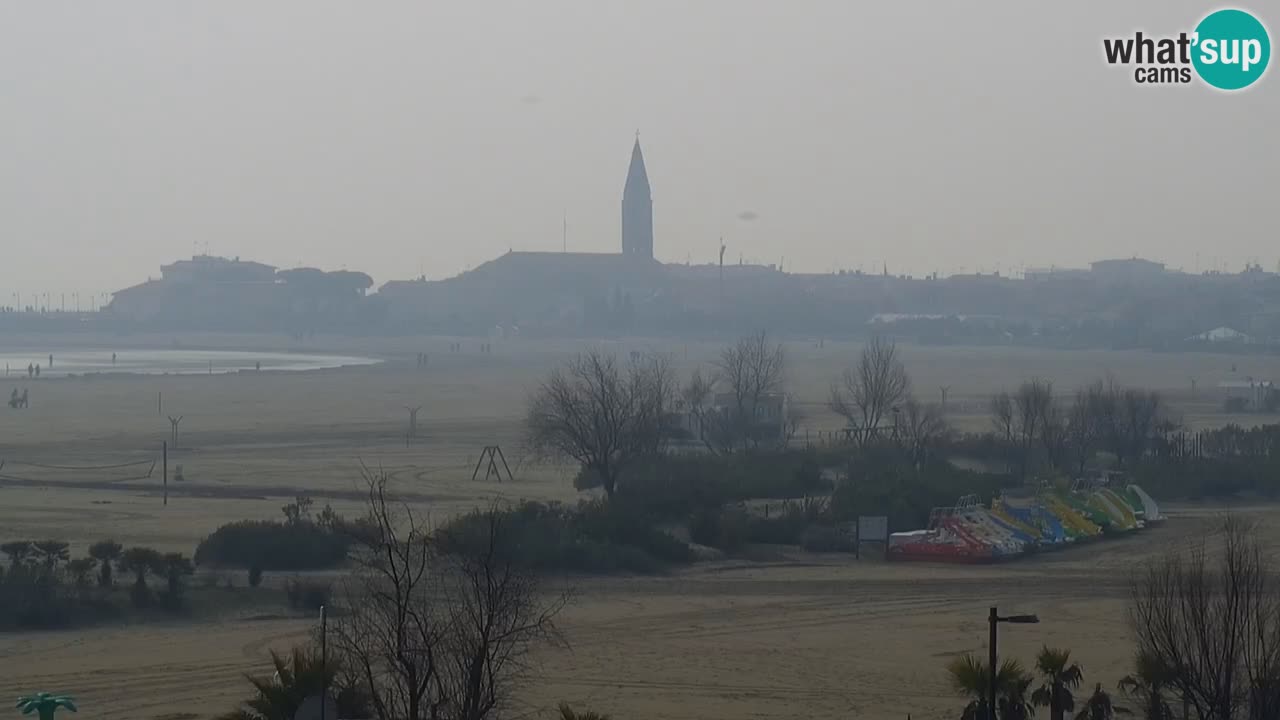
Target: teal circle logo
x,y
1231,49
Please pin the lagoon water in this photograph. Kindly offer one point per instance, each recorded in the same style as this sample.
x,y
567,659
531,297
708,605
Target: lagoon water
x,y
171,362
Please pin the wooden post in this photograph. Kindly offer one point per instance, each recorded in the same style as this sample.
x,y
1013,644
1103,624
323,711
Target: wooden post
x,y
164,450
160,403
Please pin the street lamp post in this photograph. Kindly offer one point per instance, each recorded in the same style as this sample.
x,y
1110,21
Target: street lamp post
x,y
994,619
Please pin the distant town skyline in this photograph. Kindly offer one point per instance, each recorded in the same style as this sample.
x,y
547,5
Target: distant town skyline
x,y
424,140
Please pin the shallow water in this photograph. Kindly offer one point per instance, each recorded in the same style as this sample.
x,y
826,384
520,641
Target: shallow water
x,y
171,362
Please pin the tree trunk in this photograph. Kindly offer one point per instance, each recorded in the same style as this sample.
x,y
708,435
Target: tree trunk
x,y
608,480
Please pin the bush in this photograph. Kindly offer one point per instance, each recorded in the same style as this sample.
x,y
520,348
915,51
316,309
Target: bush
x,y
827,539
672,487
883,485
726,529
308,593
274,546
594,537
786,524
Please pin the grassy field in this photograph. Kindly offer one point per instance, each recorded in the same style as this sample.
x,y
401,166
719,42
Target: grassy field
x,y
811,636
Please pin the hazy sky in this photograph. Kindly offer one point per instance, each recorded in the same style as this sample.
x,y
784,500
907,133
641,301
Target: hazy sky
x,y
399,137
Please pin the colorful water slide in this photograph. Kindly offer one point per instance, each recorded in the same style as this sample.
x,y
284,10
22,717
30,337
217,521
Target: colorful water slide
x,y
1080,503
1117,507
936,545
1022,538
1049,527
1001,512
1133,501
979,523
1149,507
1120,518
1070,517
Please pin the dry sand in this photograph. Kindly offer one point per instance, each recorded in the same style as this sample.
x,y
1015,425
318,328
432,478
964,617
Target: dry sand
x,y
816,637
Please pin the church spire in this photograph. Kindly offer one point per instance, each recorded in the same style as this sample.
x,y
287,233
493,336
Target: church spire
x,y
637,208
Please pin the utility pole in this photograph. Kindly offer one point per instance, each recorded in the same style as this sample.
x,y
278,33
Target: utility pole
x,y
164,468
722,248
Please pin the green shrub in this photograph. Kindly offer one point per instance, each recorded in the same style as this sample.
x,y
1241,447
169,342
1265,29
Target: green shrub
x,y
308,593
827,539
884,485
726,529
594,537
787,521
672,487
271,545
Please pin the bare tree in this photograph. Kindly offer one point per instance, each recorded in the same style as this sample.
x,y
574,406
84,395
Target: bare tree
x,y
1025,417
431,635
1083,430
696,400
600,415
923,427
1053,431
1002,417
1031,404
1137,415
867,393
1210,614
751,370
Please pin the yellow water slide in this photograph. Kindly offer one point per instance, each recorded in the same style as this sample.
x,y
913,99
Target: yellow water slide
x,y
1118,506
1069,517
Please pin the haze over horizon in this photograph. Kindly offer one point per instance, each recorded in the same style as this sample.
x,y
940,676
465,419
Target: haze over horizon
x,y
403,139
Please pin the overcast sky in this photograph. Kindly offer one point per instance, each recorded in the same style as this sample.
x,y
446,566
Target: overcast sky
x,y
407,137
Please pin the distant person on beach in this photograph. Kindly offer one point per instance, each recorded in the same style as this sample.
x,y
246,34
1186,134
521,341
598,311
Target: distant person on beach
x,y
113,359
37,371
50,359
258,366
31,370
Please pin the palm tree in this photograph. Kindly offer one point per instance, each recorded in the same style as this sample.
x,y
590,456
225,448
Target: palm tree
x,y
1060,676
970,677
1099,707
1150,680
568,713
51,552
297,676
79,570
45,704
18,552
105,552
1013,702
140,561
176,565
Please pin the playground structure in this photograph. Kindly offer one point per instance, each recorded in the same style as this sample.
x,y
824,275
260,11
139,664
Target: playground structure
x,y
1020,523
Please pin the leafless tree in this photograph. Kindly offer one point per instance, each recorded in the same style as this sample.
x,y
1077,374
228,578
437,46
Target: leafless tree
x,y
1210,613
1002,417
923,427
1027,417
751,370
412,432
436,636
601,415
1137,414
1053,431
1031,405
867,393
1083,426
